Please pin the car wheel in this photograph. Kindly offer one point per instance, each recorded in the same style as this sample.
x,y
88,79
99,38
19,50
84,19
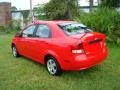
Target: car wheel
x,y
15,52
53,66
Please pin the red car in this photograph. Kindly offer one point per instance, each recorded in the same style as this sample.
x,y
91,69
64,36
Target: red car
x,y
60,45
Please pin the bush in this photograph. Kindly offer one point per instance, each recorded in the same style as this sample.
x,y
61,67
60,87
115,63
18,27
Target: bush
x,y
2,28
14,26
104,20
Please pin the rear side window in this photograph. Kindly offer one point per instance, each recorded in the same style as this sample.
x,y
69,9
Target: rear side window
x,y
74,28
43,31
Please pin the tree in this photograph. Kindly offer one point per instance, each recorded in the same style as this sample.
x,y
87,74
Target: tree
x,y
13,8
110,3
39,11
61,9
25,14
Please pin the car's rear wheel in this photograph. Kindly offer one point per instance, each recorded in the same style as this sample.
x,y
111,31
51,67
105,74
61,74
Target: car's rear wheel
x,y
15,52
53,66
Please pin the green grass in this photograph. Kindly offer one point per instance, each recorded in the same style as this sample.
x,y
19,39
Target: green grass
x,y
24,74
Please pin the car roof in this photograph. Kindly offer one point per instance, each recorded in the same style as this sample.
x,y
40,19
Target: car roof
x,y
54,21
60,22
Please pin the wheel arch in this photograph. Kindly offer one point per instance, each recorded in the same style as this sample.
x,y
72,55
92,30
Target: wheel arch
x,y
54,55
46,56
12,44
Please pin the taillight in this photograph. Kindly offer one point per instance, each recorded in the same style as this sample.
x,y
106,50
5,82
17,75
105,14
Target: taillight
x,y
77,49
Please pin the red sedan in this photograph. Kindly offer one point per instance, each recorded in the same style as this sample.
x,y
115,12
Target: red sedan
x,y
60,45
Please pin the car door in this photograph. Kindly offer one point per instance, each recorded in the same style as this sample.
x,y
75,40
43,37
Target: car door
x,y
25,41
41,42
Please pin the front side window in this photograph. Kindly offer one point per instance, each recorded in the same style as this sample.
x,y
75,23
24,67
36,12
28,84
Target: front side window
x,y
43,31
28,32
74,28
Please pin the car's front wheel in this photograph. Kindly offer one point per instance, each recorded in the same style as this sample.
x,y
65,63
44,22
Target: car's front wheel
x,y
53,66
15,52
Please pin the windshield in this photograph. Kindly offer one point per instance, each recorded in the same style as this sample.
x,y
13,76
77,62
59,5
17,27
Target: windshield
x,y
74,28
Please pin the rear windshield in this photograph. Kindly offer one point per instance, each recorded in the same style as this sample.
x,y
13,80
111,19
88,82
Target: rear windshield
x,y
74,28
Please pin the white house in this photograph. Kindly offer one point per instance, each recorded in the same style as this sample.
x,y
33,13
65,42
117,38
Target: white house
x,y
17,18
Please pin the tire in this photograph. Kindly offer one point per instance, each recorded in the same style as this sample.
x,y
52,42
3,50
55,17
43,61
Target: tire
x,y
53,66
15,52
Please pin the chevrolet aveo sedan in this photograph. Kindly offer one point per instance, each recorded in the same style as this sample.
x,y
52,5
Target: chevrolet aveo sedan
x,y
60,45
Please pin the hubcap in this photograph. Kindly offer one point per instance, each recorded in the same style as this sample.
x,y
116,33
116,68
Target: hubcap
x,y
51,66
14,51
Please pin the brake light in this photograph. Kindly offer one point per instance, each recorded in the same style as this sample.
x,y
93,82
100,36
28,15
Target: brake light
x,y
78,49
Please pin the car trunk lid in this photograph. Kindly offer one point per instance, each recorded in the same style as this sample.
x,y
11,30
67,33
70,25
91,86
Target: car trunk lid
x,y
93,42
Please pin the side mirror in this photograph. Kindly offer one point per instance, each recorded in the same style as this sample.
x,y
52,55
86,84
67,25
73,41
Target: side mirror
x,y
19,34
26,35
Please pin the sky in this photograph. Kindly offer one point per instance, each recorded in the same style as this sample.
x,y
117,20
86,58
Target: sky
x,y
86,2
24,4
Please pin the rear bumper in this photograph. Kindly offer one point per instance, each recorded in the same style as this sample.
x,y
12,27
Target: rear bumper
x,y
81,62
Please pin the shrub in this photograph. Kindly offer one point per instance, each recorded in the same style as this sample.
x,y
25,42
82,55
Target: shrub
x,y
104,20
14,26
2,28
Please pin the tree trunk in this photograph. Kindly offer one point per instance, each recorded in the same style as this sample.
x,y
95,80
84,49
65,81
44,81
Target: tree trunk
x,y
91,5
98,1
77,6
68,12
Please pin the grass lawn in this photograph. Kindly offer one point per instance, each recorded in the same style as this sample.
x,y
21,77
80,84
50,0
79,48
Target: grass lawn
x,y
24,74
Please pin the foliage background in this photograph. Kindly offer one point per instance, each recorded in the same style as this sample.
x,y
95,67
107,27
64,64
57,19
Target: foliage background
x,y
104,20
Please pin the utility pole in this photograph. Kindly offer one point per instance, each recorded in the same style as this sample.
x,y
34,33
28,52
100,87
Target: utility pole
x,y
31,13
